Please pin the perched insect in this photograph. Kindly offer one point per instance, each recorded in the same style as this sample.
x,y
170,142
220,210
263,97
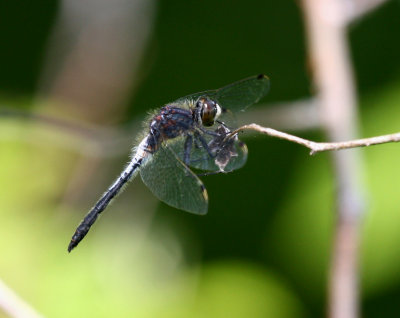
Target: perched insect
x,y
191,132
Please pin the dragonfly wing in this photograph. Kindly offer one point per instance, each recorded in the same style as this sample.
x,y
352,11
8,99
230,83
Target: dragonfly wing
x,y
199,158
230,153
232,156
220,155
227,159
236,96
240,95
173,182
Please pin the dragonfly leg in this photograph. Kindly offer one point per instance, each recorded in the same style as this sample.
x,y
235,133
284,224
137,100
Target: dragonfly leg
x,y
204,144
223,124
196,143
209,132
187,148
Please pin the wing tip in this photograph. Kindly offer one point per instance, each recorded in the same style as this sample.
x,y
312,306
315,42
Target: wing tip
x,y
204,193
71,246
204,212
262,76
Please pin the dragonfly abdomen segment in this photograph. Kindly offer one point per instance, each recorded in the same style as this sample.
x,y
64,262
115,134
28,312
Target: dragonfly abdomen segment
x,y
129,172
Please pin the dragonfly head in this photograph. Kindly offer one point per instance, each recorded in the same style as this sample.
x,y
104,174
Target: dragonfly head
x,y
207,111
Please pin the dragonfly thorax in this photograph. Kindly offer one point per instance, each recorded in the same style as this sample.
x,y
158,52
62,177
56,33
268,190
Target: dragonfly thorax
x,y
207,111
169,123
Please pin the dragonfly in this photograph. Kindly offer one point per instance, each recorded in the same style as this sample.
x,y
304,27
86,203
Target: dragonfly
x,y
193,134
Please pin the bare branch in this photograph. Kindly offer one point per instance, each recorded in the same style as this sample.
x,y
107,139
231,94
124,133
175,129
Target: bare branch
x,y
320,146
358,8
89,140
297,115
13,305
329,56
89,70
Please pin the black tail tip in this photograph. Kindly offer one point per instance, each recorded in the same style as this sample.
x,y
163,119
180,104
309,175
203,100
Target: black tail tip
x,y
71,246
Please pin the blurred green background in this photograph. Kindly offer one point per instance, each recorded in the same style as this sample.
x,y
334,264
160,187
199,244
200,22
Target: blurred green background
x,y
264,247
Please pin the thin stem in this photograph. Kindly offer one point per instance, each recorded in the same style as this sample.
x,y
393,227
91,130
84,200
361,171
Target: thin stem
x,y
329,58
13,305
320,146
358,8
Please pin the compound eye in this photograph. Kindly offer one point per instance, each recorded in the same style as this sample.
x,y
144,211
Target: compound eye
x,y
209,112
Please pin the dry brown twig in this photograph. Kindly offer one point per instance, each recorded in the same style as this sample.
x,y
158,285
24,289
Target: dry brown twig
x,y
320,146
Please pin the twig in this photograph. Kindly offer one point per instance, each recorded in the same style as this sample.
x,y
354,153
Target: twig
x,y
13,305
71,127
88,139
320,146
98,91
358,8
326,22
297,115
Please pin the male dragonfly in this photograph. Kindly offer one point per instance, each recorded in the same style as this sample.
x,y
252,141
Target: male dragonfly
x,y
191,132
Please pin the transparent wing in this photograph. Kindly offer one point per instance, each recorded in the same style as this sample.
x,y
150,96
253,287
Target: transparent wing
x,y
240,95
199,158
217,155
232,156
173,182
236,96
228,158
